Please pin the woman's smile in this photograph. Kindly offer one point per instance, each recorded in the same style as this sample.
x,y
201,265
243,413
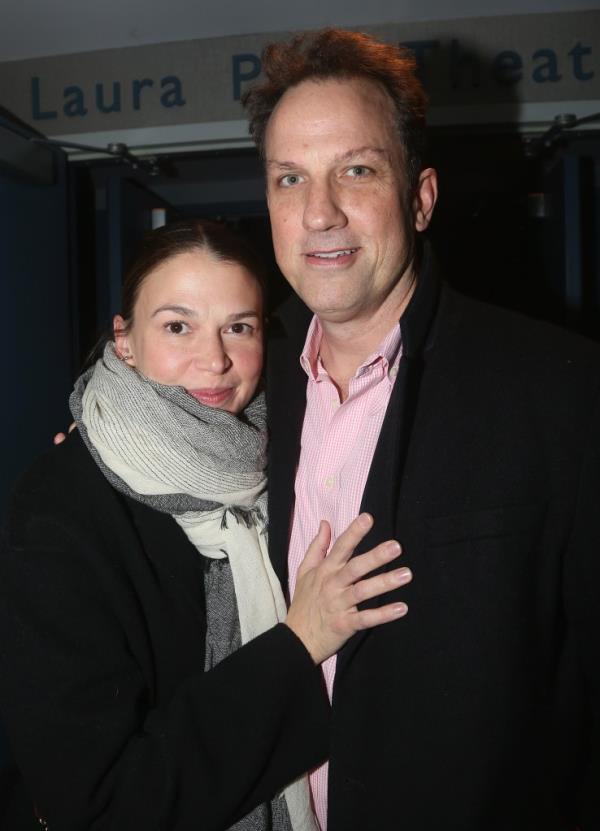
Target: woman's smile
x,y
215,397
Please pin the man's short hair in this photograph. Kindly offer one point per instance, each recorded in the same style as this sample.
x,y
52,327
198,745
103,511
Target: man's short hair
x,y
340,54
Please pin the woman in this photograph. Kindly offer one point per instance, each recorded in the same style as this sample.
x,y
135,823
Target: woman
x,y
150,676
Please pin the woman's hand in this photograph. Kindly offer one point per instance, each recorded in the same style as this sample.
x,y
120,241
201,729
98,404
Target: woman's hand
x,y
324,613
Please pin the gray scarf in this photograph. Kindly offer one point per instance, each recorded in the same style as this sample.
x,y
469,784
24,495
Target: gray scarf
x,y
205,467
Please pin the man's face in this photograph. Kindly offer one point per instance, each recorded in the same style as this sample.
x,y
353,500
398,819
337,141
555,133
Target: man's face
x,y
336,190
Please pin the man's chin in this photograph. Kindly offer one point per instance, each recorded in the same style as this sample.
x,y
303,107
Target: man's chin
x,y
334,305
336,312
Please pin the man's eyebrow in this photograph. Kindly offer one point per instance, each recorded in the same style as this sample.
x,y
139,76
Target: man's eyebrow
x,y
348,155
179,310
359,152
280,165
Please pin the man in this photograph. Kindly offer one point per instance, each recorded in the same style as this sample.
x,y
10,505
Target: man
x,y
471,435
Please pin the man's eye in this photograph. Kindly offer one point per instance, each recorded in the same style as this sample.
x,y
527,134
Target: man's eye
x,y
358,170
176,327
290,180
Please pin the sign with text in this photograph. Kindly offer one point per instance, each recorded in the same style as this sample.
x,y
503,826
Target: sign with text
x,y
483,65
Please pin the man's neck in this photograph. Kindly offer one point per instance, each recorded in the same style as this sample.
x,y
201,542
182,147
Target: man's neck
x,y
346,345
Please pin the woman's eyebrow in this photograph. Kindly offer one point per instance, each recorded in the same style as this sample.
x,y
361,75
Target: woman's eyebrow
x,y
187,312
180,310
240,315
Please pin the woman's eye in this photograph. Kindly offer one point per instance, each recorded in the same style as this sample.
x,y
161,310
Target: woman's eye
x,y
176,327
240,328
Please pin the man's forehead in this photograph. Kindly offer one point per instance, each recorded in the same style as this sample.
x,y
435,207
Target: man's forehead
x,y
354,114
332,91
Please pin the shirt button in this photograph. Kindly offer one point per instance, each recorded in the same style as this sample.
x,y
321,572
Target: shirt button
x,y
393,371
329,482
335,403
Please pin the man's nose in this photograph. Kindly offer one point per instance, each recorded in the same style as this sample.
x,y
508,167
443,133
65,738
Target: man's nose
x,y
322,209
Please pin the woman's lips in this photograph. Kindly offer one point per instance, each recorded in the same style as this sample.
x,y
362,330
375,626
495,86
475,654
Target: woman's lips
x,y
212,397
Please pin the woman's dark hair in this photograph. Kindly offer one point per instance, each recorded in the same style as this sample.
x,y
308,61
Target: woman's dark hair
x,y
180,237
338,54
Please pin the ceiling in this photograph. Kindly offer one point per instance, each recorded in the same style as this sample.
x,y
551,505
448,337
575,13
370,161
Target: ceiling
x,y
34,28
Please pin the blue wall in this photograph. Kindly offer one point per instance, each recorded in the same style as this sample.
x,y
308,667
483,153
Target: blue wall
x,y
36,332
35,335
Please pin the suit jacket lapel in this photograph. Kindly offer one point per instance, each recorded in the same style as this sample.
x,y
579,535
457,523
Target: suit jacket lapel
x,y
383,486
383,490
286,401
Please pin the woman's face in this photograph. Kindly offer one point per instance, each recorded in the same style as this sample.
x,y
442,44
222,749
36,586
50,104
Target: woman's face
x,y
198,323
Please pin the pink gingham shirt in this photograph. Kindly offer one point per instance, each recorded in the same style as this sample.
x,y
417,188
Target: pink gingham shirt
x,y
337,447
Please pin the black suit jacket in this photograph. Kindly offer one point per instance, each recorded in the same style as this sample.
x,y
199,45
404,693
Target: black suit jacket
x,y
112,721
480,709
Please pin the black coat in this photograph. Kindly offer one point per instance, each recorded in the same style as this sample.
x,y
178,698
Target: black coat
x,y
112,721
479,711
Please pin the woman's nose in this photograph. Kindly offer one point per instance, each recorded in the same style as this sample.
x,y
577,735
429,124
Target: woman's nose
x,y
212,356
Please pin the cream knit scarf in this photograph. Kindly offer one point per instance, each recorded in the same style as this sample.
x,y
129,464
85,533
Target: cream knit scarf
x,y
205,467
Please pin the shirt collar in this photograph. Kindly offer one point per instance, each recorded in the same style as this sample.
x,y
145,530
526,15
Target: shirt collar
x,y
387,352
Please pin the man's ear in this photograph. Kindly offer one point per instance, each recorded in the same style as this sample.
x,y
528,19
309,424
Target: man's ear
x,y
425,199
121,335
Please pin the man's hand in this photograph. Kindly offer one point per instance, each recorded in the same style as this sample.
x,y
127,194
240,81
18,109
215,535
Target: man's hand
x,y
60,437
324,613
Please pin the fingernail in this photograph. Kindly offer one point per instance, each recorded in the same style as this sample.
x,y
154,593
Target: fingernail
x,y
402,575
392,548
399,609
366,520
